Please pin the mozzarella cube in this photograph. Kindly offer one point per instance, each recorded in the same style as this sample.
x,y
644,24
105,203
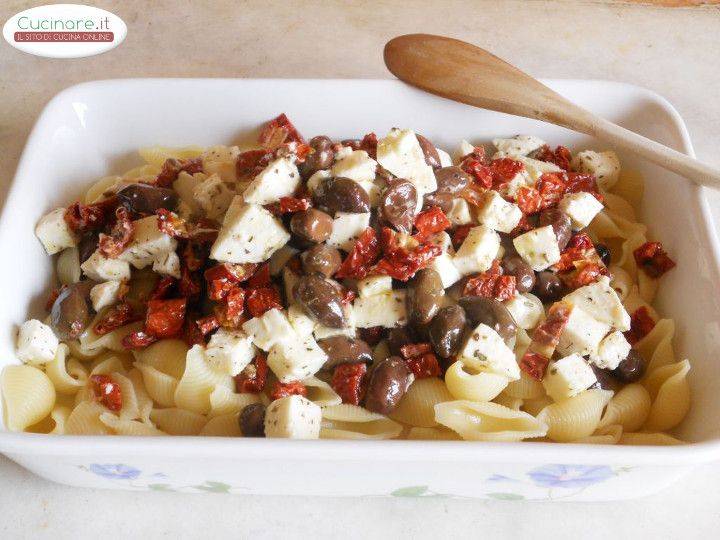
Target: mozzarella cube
x,y
387,309
538,247
356,165
604,166
270,328
249,234
279,179
612,350
463,150
213,196
460,213
229,351
526,309
346,228
485,347
521,179
536,168
36,343
293,417
401,154
478,251
185,186
54,233
221,160
316,179
568,377
443,241
302,324
296,358
104,294
374,285
99,268
445,159
148,244
581,208
167,264
582,333
519,145
602,303
449,274
497,213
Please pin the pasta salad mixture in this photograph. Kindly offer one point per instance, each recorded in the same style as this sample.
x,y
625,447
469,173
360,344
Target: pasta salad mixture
x,y
372,288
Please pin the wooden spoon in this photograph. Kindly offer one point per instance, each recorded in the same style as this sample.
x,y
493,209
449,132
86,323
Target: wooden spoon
x,y
457,70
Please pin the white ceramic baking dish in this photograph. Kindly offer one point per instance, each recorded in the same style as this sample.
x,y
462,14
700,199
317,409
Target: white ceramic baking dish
x,y
96,127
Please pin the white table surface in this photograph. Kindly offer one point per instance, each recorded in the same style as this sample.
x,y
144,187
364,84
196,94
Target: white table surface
x,y
672,51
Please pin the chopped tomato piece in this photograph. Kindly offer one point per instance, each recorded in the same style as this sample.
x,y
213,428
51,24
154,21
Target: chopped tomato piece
x,y
424,366
460,234
551,188
529,200
261,300
585,274
250,162
503,171
534,364
491,284
138,340
190,284
260,278
415,349
560,157
547,335
358,262
230,313
162,288
85,217
106,392
207,324
400,262
641,324
347,381
118,315
653,259
252,379
171,224
577,182
120,236
278,131
430,222
165,318
281,390
173,167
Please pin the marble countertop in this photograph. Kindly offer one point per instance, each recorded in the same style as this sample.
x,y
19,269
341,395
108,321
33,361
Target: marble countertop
x,y
671,51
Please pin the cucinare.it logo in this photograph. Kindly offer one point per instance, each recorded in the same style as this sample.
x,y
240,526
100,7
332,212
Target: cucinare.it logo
x,y
64,31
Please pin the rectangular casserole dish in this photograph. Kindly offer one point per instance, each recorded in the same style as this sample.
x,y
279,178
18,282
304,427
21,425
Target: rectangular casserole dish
x,y
95,128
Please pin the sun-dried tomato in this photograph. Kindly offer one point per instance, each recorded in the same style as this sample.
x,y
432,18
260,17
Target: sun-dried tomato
x,y
400,262
560,156
347,381
369,143
165,318
162,288
192,334
260,277
641,324
653,259
252,379
481,173
249,162
577,182
190,285
372,335
348,296
523,226
138,340
121,234
230,313
429,223
118,315
222,277
424,366
279,131
534,364
547,335
294,388
504,170
551,188
529,200
474,194
203,231
106,392
294,204
415,349
491,284
173,167
171,224
358,262
460,234
261,300
52,297
579,248
85,217
207,324
193,255
585,274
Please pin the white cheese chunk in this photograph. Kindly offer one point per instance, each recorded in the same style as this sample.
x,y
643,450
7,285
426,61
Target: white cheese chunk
x,y
316,179
301,323
279,179
443,241
296,358
536,168
221,160
445,159
519,145
99,268
612,350
486,348
148,244
538,247
229,351
387,309
401,154
604,166
521,179
477,251
356,165
460,213
167,264
463,150
293,417
346,228
602,303
104,294
497,213
185,187
249,234
374,285
443,264
568,377
581,208
213,196
54,233
36,343
270,328
582,333
526,309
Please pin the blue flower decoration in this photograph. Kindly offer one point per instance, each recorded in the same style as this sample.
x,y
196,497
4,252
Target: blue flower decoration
x,y
114,471
570,476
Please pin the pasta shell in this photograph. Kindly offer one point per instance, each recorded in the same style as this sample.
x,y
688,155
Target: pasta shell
x,y
160,387
321,393
353,422
67,374
144,401
226,425
488,421
224,401
60,414
607,435
167,355
576,417
525,388
85,420
668,386
28,396
629,408
466,381
157,155
650,439
178,421
68,266
656,347
416,408
432,433
197,383
128,427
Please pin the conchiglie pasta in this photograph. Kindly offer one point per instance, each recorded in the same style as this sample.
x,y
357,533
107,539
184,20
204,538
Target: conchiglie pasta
x,y
628,408
488,421
467,381
656,347
631,187
321,393
68,266
144,401
85,420
224,401
130,409
226,425
178,421
576,417
99,188
60,415
620,281
416,408
167,355
160,386
67,374
650,439
434,434
128,427
668,386
353,422
197,383
607,435
509,402
157,155
525,388
91,344
534,406
28,395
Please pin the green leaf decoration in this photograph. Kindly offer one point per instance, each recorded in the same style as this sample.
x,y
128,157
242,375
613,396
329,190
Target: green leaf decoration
x,y
160,487
410,491
214,487
506,496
